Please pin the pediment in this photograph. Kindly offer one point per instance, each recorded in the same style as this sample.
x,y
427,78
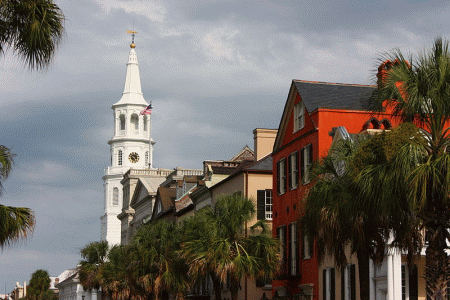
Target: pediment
x,y
285,129
140,193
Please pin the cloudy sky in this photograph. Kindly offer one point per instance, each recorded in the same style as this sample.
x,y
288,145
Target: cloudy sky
x,y
214,70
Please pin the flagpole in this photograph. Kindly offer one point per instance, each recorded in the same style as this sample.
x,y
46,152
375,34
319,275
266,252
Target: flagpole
x,y
150,146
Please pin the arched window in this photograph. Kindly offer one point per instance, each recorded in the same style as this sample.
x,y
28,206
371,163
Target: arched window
x,y
386,124
122,123
145,123
372,123
119,158
135,123
146,158
115,199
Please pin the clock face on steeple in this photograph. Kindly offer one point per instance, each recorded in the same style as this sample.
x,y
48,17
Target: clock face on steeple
x,y
133,157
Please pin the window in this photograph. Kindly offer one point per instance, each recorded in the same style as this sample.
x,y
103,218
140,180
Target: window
x,y
307,247
264,205
299,116
348,283
119,158
135,123
293,170
328,279
281,176
158,207
306,156
145,123
115,199
409,283
122,122
281,234
146,158
293,254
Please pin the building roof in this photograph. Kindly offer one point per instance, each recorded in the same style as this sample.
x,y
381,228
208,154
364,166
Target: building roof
x,y
335,95
152,183
264,164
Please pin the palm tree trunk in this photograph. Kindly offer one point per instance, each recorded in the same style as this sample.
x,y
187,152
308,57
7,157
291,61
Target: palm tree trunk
x,y
436,267
364,275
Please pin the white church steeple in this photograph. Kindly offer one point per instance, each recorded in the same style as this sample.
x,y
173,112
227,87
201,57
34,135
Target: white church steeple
x,y
131,146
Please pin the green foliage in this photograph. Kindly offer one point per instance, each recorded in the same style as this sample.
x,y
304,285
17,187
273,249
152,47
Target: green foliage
x,y
39,287
216,243
16,223
95,255
32,28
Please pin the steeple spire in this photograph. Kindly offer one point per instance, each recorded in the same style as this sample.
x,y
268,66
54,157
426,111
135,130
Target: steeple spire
x,y
132,93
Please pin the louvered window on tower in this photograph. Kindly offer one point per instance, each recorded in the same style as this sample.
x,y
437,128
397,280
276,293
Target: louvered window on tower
x,y
145,123
122,124
115,200
146,158
135,123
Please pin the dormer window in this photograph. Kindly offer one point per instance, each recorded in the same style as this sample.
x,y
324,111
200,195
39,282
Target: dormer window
x,y
299,116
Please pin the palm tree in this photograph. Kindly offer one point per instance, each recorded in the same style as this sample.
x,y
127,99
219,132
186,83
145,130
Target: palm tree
x,y
338,216
419,91
95,255
220,247
15,222
32,28
39,287
160,268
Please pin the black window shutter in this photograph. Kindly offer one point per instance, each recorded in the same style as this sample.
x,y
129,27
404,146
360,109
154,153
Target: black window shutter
x,y
302,162
324,283
332,285
297,253
289,171
413,284
278,176
261,204
310,154
285,247
290,249
285,174
297,165
353,282
343,283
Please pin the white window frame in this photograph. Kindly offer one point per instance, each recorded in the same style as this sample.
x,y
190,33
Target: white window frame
x,y
306,163
293,162
119,157
293,238
348,283
307,251
268,204
281,173
299,116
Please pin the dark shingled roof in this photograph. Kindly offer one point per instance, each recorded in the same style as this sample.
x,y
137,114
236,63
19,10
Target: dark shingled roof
x,y
335,95
264,164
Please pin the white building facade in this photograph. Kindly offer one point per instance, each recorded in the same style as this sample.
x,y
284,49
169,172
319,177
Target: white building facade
x,y
131,147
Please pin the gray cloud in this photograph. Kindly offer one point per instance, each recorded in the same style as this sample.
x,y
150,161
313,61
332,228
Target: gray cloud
x,y
215,70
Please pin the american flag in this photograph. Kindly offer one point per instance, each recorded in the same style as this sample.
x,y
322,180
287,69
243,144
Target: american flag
x,y
147,110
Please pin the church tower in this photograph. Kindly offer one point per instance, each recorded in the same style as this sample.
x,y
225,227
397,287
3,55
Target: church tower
x,y
130,146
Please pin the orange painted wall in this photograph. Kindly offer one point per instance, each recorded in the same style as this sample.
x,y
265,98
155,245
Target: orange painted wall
x,y
287,207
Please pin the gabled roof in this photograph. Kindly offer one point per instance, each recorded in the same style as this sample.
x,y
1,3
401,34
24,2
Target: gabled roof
x,y
324,95
244,154
335,95
151,184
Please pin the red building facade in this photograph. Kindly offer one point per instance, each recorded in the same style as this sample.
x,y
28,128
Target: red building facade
x,y
305,134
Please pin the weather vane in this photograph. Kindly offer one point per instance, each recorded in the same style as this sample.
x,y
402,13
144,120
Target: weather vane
x,y
133,34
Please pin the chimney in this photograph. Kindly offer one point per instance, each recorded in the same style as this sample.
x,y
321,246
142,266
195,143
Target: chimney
x,y
263,141
24,289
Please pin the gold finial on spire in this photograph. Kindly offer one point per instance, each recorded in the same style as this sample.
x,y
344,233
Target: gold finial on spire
x,y
133,33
